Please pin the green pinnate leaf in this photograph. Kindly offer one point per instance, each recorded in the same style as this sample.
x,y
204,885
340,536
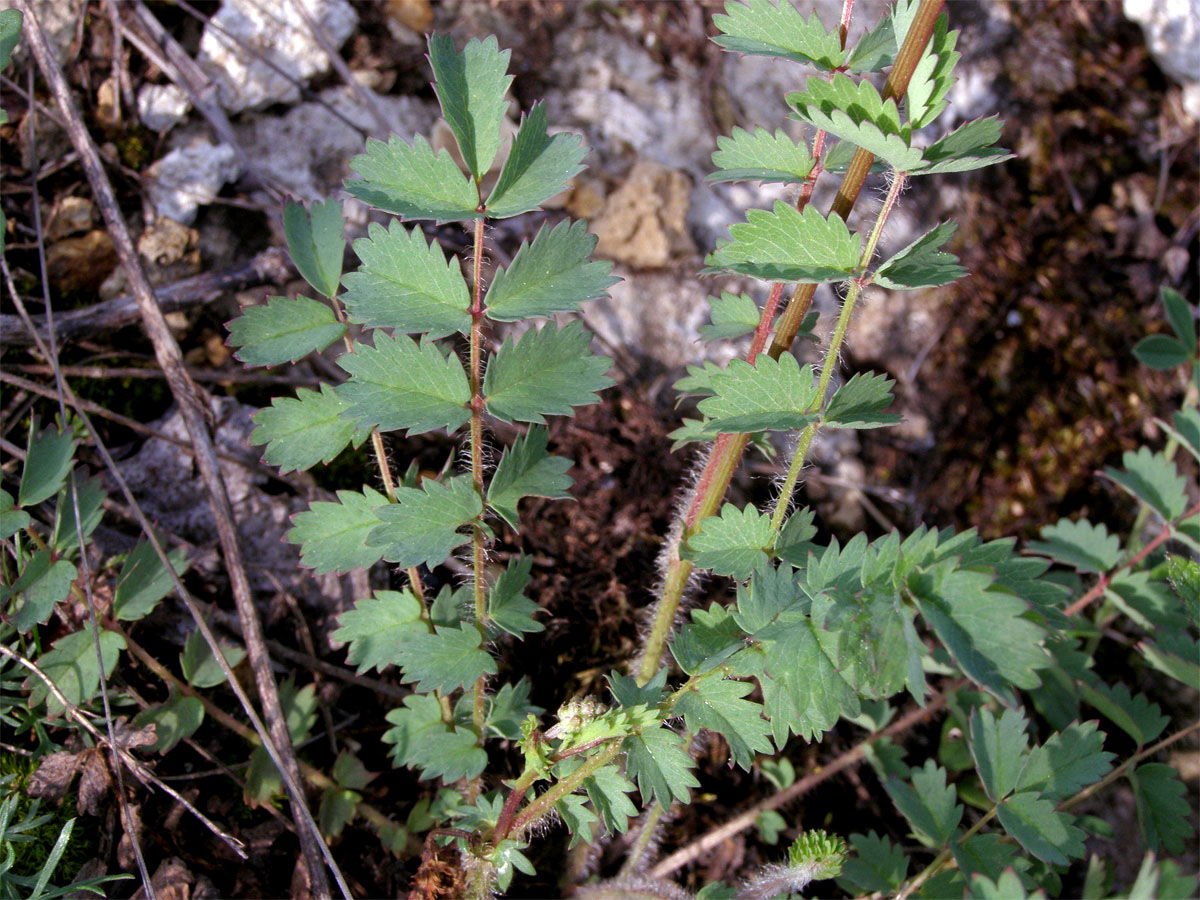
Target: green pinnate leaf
x,y
1182,319
508,709
70,518
173,721
11,520
1134,714
732,316
771,395
1184,577
698,380
144,581
988,855
338,808
1047,834
413,182
538,167
302,431
970,146
1086,547
423,741
377,627
43,583
930,805
1069,761
285,330
932,79
983,626
1162,352
1186,429
198,664
719,706
922,263
1163,810
860,403
1175,654
733,543
316,243
998,748
448,659
549,276
877,865
546,372
526,469
760,156
573,810
609,792
333,536
787,245
300,711
708,640
471,86
855,112
10,34
74,667
406,284
769,593
400,384
48,459
422,526
795,538
760,27
657,759
508,607
1152,479
420,716
1006,885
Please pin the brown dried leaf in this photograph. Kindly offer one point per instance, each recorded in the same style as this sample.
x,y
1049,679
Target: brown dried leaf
x,y
54,776
94,782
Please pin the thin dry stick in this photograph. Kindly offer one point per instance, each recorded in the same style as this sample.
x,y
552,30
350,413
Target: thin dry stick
x,y
746,820
189,399
135,765
215,375
85,564
269,267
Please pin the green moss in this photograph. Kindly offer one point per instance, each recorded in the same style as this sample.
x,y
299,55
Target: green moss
x,y
31,855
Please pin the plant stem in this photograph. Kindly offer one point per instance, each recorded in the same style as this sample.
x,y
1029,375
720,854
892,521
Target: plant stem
x,y
545,803
727,449
479,587
942,858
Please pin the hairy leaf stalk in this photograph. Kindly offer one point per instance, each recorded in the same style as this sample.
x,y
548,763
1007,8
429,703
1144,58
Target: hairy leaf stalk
x,y
478,586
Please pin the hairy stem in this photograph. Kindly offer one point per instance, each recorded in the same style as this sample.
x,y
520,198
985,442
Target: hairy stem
x,y
544,804
727,449
479,587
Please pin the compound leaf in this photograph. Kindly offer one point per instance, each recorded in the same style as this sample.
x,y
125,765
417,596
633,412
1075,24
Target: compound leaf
x,y
144,580
550,275
968,147
471,86
1068,761
1134,714
509,708
1152,479
707,641
406,284
1047,834
1161,351
657,759
609,792
1086,547
423,741
787,245
718,705
760,156
446,660
733,543
400,384
316,242
422,526
930,805
758,27
1162,808
932,79
10,34
1179,314
860,403
771,395
527,470
546,372
1187,429
284,330
413,182
998,749
91,496
173,721
732,316
332,536
877,865
48,459
769,593
539,165
377,626
922,263
855,112
508,607
302,431
795,538
1175,655
1006,885
73,666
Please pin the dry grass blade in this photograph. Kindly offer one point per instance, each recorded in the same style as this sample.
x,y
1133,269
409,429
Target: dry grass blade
x,y
194,412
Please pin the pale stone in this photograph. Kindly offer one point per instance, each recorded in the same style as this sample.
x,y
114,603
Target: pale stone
x,y
162,106
190,177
